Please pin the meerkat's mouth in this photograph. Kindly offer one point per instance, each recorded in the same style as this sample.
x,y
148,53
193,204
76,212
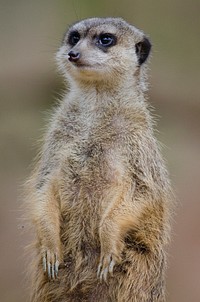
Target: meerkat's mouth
x,y
86,66
82,65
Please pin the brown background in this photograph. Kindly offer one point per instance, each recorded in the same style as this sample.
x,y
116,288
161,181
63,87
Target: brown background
x,y
30,33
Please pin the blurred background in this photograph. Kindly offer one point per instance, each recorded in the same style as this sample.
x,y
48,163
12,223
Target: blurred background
x,y
30,34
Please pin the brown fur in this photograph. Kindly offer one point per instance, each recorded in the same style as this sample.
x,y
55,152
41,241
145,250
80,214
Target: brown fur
x,y
100,193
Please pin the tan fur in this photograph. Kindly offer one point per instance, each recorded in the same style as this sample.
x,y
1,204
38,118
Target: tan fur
x,y
100,193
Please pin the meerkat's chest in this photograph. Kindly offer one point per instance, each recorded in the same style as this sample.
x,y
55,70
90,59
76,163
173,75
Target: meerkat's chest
x,y
94,161
95,156
97,146
91,169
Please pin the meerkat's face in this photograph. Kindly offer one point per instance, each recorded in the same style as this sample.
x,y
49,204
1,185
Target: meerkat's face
x,y
100,49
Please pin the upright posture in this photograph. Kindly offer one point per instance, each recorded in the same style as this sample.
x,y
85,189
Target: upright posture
x,y
100,194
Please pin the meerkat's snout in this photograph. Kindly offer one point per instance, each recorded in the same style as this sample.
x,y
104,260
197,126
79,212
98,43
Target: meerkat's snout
x,y
74,56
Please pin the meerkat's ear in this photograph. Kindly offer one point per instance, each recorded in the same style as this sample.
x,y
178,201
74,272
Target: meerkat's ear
x,y
142,50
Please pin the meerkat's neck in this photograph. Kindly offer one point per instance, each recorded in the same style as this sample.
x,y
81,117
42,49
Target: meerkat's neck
x,y
124,93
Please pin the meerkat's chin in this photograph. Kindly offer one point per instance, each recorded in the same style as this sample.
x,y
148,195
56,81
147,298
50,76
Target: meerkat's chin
x,y
86,71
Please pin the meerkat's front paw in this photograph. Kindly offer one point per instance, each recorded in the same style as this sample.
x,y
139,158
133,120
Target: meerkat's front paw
x,y
106,265
51,261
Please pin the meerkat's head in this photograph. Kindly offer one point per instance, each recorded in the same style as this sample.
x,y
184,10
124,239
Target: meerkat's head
x,y
102,49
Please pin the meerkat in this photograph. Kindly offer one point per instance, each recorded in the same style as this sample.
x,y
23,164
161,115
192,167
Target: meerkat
x,y
100,193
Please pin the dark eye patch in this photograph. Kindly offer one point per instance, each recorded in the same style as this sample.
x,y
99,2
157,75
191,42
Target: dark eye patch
x,y
73,38
106,40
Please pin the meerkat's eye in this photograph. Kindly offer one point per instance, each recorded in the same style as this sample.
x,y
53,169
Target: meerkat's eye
x,y
107,40
74,37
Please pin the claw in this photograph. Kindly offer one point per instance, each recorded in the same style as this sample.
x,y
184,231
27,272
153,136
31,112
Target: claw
x,y
44,264
106,267
49,270
104,275
50,264
56,267
111,266
99,270
52,272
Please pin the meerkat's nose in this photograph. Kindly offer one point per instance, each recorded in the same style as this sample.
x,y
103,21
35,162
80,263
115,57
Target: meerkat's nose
x,y
74,56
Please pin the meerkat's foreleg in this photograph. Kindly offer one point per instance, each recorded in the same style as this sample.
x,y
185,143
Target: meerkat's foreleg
x,y
47,220
116,221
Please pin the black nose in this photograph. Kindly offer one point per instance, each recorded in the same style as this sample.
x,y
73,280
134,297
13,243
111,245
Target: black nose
x,y
73,56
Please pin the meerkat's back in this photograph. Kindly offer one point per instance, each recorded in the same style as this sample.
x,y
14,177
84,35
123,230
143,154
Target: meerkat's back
x,y
100,193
